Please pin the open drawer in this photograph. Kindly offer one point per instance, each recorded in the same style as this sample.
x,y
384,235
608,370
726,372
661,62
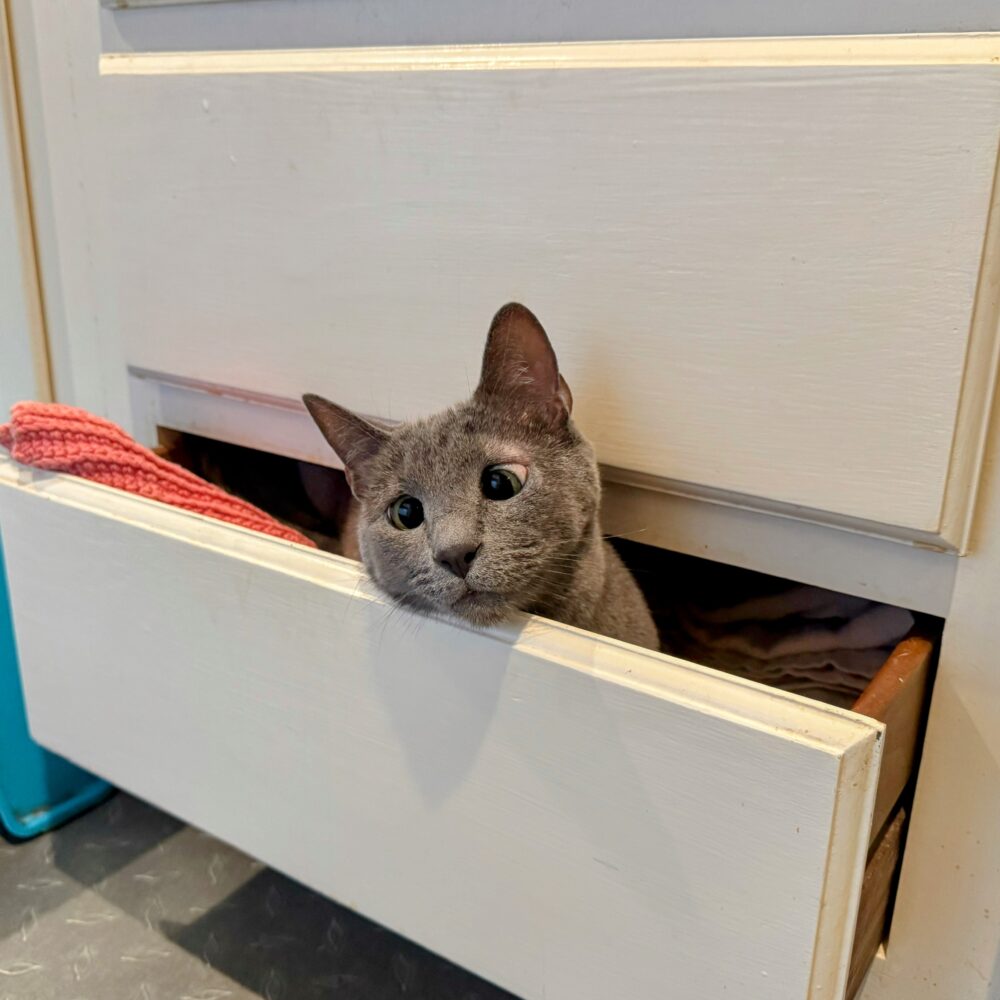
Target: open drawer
x,y
566,815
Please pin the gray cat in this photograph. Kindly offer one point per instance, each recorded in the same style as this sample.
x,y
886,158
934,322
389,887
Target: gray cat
x,y
491,506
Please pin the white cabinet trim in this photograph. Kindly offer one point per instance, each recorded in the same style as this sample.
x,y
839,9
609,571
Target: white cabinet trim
x,y
24,363
682,53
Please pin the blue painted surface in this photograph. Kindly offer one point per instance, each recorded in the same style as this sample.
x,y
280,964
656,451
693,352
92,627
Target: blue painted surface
x,y
38,790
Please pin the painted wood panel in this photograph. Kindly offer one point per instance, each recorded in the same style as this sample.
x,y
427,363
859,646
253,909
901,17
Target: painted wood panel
x,y
59,116
312,23
744,274
946,905
24,372
915,577
568,816
748,252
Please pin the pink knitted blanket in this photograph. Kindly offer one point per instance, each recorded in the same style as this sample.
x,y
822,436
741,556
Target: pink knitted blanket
x,y
66,439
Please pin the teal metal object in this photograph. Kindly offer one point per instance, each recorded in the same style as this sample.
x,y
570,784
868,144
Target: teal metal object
x,y
38,790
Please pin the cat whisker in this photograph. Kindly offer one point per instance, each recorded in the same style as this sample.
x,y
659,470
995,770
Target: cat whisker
x,y
626,534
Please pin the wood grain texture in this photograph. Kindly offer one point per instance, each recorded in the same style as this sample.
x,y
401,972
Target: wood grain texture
x,y
981,366
789,546
693,53
254,420
897,697
743,272
910,576
59,112
876,889
719,329
568,816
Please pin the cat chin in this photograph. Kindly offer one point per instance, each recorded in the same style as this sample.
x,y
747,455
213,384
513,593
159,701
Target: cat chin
x,y
477,608
482,609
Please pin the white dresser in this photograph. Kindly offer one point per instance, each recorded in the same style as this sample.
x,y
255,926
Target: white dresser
x,y
770,271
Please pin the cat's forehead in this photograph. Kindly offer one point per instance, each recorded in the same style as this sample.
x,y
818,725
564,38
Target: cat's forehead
x,y
459,438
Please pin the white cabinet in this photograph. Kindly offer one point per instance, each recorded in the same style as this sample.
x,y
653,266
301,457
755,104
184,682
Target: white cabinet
x,y
757,258
769,270
744,271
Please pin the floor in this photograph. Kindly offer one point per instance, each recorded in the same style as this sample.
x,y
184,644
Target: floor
x,y
127,903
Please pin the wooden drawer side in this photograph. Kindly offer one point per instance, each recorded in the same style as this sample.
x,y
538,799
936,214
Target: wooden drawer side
x,y
897,697
876,890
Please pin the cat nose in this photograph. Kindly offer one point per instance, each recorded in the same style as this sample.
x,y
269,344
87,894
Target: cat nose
x,y
458,558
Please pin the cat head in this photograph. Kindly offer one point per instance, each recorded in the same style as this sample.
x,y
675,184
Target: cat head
x,y
480,510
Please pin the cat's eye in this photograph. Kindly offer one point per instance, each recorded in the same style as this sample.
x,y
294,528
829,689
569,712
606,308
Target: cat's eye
x,y
406,513
501,482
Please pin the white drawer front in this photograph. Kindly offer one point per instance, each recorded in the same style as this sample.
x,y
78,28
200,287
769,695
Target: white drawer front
x,y
758,259
748,274
568,816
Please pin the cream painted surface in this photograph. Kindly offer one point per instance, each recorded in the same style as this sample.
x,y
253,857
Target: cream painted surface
x,y
125,4
312,23
24,370
689,53
945,938
718,329
60,120
915,577
909,576
981,363
280,226
568,816
268,423
905,215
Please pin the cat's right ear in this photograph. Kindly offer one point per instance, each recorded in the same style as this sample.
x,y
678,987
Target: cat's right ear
x,y
520,372
353,438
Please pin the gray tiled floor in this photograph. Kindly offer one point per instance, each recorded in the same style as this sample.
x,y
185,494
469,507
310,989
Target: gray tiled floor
x,y
127,903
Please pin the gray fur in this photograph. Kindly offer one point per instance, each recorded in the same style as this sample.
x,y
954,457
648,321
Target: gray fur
x,y
541,551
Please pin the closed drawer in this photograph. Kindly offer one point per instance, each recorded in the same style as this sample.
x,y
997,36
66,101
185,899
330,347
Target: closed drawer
x,y
568,816
745,272
758,259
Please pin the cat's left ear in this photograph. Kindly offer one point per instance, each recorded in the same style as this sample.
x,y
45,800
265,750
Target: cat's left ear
x,y
520,370
353,438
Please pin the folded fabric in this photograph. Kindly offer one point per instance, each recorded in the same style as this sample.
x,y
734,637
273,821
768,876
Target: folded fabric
x,y
836,676
877,625
61,438
804,639
808,602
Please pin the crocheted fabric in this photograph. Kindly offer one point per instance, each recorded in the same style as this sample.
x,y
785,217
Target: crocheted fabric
x,y
66,439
